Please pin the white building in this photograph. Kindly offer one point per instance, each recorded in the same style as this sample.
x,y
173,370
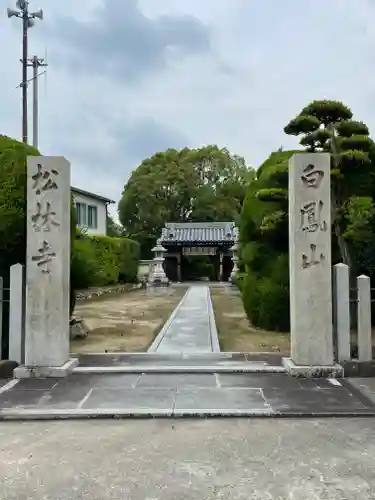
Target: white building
x,y
91,211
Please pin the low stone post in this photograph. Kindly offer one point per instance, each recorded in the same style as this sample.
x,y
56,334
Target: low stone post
x,y
157,276
364,318
1,314
17,314
342,311
234,250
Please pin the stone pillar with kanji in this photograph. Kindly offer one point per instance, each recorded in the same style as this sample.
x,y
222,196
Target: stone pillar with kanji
x,y
47,269
157,276
310,267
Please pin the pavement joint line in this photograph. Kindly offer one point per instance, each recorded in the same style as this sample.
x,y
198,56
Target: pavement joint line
x,y
334,381
175,391
137,381
264,398
83,401
9,385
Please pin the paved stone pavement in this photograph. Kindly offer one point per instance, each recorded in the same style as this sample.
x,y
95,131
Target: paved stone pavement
x,y
364,385
179,395
191,327
241,459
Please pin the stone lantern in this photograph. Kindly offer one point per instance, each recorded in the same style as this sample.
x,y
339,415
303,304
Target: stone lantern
x,y
157,275
234,250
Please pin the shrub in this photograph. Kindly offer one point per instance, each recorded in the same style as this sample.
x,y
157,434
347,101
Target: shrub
x,y
107,251
273,305
250,297
239,281
264,245
85,267
102,260
13,156
129,260
266,303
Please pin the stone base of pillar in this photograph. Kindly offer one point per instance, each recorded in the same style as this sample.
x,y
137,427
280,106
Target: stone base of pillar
x,y
158,282
24,371
232,277
333,371
158,278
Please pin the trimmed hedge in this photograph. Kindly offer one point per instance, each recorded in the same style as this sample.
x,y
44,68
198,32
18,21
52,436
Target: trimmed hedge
x,y
102,260
13,179
264,246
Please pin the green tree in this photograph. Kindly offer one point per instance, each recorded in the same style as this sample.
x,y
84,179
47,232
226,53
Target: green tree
x,y
328,126
13,178
113,229
264,244
206,184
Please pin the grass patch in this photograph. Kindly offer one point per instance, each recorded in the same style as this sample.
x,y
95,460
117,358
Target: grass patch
x,y
126,322
236,334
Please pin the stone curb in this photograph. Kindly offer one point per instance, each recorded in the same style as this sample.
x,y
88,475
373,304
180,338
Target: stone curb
x,y
357,393
93,293
180,369
158,339
212,323
80,414
224,354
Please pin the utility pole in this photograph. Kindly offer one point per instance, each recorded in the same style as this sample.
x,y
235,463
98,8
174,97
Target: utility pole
x,y
35,62
25,27
28,20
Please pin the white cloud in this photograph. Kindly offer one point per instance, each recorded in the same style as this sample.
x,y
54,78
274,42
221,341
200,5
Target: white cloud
x,y
265,61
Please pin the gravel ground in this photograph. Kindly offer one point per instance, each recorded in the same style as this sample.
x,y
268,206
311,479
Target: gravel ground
x,y
254,459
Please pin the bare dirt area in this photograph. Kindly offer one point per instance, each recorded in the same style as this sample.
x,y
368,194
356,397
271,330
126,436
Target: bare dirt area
x,y
128,322
236,334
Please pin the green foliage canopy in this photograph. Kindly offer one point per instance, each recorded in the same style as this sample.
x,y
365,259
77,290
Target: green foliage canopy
x,y
206,184
328,126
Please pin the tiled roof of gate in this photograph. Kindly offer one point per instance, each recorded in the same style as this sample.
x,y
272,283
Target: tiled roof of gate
x,y
199,232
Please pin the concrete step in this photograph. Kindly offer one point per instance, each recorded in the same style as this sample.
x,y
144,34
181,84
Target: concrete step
x,y
211,368
180,363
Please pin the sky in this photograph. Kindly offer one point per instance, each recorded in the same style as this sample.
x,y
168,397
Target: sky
x,y
128,78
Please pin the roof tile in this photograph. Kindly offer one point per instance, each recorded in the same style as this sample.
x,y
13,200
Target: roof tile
x,y
199,232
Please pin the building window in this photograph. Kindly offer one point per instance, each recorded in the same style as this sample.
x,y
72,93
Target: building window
x,y
87,215
81,214
92,217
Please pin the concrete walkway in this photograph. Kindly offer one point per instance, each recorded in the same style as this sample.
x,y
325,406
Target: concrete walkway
x,y
191,327
184,374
